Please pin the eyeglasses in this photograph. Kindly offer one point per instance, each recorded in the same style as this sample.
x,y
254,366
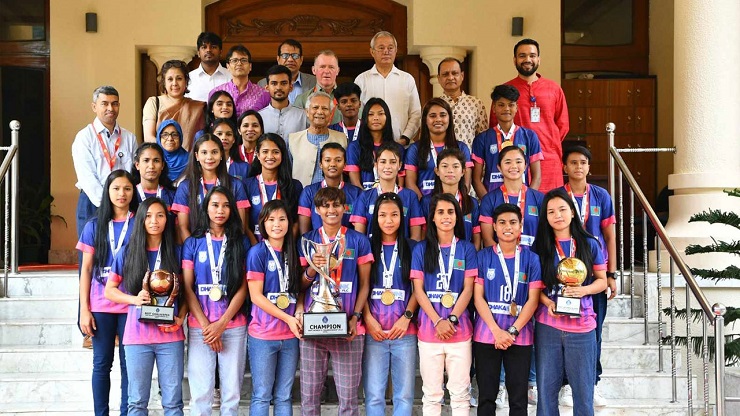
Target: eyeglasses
x,y
243,61
383,50
170,136
285,56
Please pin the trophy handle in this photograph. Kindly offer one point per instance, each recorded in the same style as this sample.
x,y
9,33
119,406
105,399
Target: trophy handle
x,y
340,242
175,290
145,282
307,245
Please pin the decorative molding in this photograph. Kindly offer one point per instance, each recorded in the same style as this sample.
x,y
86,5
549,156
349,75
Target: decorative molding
x,y
305,25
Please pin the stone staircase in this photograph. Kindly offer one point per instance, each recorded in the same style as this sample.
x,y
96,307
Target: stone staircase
x,y
44,370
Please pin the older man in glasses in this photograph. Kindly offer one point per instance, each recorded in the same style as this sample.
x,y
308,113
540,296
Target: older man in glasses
x,y
290,54
246,95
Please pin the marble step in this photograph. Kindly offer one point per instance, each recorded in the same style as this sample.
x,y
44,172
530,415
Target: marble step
x,y
37,307
55,331
616,357
629,331
619,307
65,283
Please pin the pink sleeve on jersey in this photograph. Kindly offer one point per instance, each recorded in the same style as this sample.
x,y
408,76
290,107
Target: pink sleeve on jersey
x,y
85,248
115,278
537,285
243,204
476,159
188,264
471,273
306,212
598,267
416,274
608,221
476,229
410,167
367,258
358,219
469,164
183,208
536,157
479,281
252,275
351,168
417,221
304,262
486,219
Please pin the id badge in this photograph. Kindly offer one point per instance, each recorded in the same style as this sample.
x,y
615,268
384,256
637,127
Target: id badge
x,y
534,114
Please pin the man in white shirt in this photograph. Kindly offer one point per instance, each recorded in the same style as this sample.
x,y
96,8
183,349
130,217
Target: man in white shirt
x,y
396,87
98,149
280,117
210,73
290,55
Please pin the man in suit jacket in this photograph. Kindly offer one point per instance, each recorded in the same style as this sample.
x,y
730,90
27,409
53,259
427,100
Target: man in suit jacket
x,y
290,54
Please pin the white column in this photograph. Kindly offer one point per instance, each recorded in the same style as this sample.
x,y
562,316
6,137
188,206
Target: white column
x,y
433,55
706,123
161,54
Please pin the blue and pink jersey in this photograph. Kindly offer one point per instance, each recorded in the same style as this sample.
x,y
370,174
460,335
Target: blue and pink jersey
x,y
98,302
258,199
239,169
587,321
135,332
530,209
182,203
465,266
367,178
306,207
599,212
362,212
195,258
387,315
486,147
472,226
425,171
167,195
498,294
357,252
262,267
350,132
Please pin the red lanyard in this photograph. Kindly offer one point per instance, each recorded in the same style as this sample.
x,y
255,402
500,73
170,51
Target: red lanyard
x,y
499,137
521,199
104,147
336,274
247,157
561,253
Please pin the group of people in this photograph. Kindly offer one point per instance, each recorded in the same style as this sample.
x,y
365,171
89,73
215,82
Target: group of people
x,y
434,227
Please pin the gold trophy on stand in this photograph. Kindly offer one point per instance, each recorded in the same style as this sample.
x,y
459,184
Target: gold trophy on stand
x,y
571,272
163,287
325,317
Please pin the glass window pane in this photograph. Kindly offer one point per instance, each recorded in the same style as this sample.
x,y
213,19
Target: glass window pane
x,y
597,22
22,20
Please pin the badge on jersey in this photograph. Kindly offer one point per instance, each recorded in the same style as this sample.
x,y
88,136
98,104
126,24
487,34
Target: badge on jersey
x,y
347,207
491,274
468,218
202,257
256,200
596,211
532,210
427,184
271,266
458,265
534,114
493,149
349,254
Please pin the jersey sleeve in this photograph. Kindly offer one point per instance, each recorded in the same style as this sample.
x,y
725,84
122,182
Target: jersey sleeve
x,y
471,261
353,157
486,209
180,203
256,264
466,151
415,215
305,203
364,253
478,154
240,194
411,158
87,238
189,250
417,261
358,212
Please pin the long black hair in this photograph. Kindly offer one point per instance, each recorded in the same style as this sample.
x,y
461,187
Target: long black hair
x,y
105,214
194,173
164,179
210,117
431,254
544,242
235,256
234,151
365,138
376,241
137,261
466,201
285,172
290,253
425,138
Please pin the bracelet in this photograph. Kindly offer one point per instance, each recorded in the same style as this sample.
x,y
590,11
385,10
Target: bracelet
x,y
438,321
307,277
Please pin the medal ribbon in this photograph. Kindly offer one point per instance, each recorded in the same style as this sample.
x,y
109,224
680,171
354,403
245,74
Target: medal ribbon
x,y
282,277
513,287
115,247
501,136
336,273
111,159
388,271
216,268
354,133
142,194
203,186
446,275
521,200
263,191
585,206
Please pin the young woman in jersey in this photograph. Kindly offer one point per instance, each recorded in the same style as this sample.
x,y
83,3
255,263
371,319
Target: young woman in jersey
x,y
206,169
506,295
225,129
391,344
437,134
100,318
443,270
449,173
152,246
512,164
220,105
213,260
169,136
388,164
150,174
251,127
565,346
274,280
376,129
271,177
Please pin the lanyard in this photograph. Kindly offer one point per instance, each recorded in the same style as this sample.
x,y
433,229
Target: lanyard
x,y
561,254
282,276
446,275
521,198
157,261
228,163
216,268
388,271
395,189
142,194
337,272
203,186
115,247
585,205
111,159
247,157
502,137
263,191
354,132
512,286
433,152
324,185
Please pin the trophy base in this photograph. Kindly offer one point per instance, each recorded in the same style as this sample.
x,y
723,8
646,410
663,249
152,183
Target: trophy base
x,y
157,314
568,306
325,325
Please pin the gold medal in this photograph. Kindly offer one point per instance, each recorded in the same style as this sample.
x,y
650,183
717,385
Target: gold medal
x,y
448,300
513,309
333,262
387,298
506,144
282,301
215,293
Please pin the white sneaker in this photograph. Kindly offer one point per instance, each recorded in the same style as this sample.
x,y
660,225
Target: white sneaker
x,y
599,400
566,396
501,397
473,396
532,395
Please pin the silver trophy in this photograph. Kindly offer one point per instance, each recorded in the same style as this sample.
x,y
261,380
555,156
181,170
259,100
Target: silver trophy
x,y
325,317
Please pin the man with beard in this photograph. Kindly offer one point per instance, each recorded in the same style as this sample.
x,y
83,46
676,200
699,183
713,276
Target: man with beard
x,y
279,116
542,108
468,112
290,55
210,73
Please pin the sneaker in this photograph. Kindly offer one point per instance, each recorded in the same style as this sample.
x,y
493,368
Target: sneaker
x,y
87,342
442,400
532,395
501,397
566,396
473,396
599,400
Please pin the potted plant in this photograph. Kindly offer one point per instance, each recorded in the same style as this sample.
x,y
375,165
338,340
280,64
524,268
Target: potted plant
x,y
34,220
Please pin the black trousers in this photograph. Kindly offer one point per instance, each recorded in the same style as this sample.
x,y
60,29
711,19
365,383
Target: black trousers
x,y
516,360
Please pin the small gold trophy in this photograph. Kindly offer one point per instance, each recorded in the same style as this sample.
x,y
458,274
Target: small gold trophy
x,y
163,288
571,272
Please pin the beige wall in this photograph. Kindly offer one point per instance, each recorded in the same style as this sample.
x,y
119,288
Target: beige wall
x,y
661,64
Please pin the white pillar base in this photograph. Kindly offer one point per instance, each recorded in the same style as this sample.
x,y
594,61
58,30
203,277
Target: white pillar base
x,y
433,55
161,54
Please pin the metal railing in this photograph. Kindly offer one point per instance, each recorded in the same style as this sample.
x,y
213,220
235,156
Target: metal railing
x,y
10,164
712,315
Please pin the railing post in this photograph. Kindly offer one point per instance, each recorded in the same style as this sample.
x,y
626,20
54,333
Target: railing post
x,y
15,126
719,356
610,127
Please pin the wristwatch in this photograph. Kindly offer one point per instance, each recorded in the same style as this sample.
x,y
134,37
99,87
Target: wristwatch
x,y
610,275
513,331
408,314
453,320
357,315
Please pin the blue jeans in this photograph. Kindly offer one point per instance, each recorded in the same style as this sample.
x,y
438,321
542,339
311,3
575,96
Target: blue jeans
x,y
561,353
104,347
202,365
274,363
398,357
140,363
